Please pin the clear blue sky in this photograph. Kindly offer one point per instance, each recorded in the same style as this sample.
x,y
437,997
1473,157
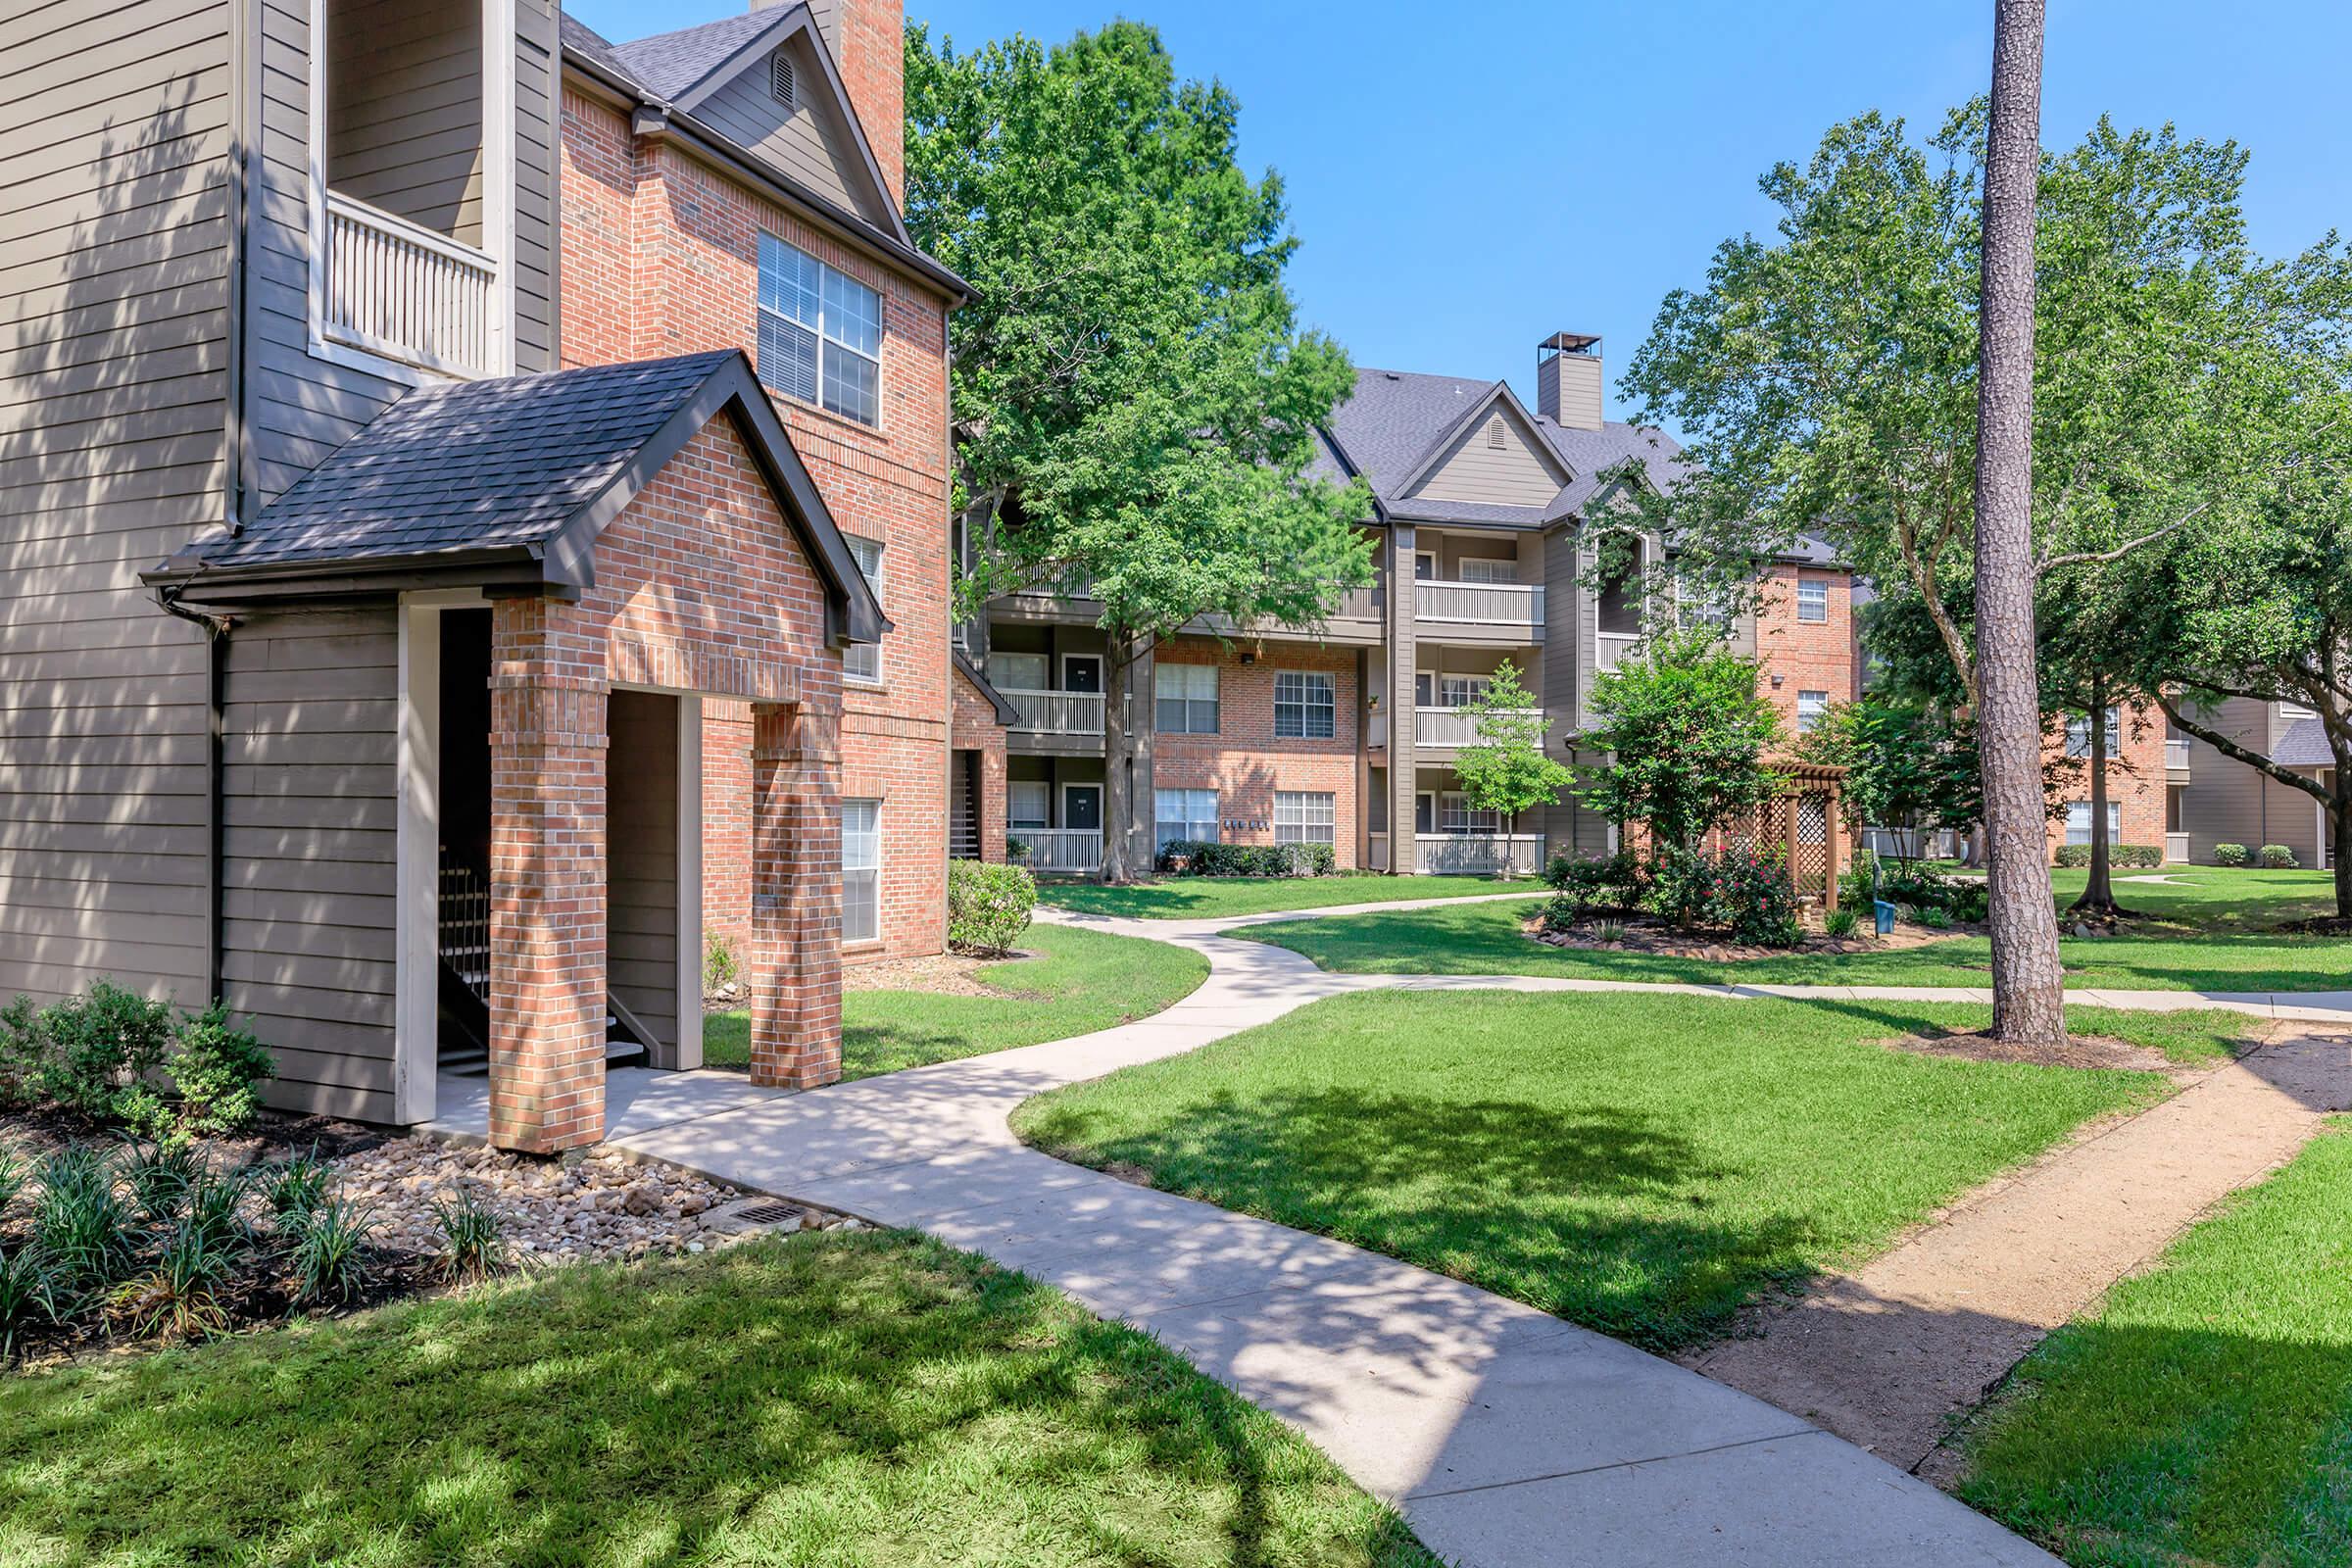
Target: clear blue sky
x,y
1467,178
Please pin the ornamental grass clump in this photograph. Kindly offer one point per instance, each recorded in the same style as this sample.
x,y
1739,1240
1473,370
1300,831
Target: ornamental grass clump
x,y
472,1236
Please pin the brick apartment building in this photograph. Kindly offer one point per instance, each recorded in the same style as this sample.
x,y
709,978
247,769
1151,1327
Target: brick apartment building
x,y
1347,733
472,486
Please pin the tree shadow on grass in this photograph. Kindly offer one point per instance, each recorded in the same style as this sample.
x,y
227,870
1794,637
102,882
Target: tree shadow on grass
x,y
1601,1216
777,1402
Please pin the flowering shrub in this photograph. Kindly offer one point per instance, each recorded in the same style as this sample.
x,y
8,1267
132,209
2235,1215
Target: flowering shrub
x,y
988,906
1743,891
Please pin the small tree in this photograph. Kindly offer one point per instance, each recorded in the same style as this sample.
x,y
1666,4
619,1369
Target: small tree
x,y
1505,769
1910,766
1687,733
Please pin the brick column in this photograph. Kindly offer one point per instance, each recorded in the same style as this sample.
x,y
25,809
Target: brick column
x,y
548,739
796,896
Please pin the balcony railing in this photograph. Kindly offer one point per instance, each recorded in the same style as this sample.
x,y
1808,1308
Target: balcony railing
x,y
1043,712
408,293
1471,854
1486,604
2176,755
1613,647
2175,848
1358,603
1061,848
1453,726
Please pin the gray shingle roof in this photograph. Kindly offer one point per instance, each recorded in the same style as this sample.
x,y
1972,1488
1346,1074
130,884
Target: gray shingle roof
x,y
669,63
471,465
585,41
2304,745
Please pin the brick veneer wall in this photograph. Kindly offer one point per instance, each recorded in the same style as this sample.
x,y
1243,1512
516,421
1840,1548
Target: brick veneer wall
x,y
1245,762
699,584
1806,655
2136,777
660,257
974,728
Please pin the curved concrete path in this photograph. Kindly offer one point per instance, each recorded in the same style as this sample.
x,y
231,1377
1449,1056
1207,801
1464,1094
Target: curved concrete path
x,y
1507,1436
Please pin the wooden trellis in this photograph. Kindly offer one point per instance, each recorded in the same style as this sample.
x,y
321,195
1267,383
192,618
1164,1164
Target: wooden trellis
x,y
1808,824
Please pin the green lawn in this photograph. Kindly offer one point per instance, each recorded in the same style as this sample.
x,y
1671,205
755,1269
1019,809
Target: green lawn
x,y
869,1400
1204,897
2207,933
2204,1413
1642,1164
1080,982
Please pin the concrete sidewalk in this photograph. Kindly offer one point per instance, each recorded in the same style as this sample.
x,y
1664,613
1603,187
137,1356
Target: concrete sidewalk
x,y
1507,1436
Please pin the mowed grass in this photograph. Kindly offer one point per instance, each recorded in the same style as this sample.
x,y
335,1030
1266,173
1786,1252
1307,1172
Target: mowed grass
x,y
2213,931
2204,1413
1080,981
871,1399
1203,898
1642,1164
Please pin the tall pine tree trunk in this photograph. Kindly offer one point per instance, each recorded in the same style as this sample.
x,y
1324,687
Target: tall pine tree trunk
x,y
2028,997
1118,761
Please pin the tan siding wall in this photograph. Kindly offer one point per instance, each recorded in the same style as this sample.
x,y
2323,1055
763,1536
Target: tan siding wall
x,y
2226,801
1510,476
641,807
115,206
309,873
404,89
805,144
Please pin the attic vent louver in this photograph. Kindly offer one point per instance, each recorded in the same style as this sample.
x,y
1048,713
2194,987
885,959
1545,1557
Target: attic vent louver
x,y
1494,436
779,77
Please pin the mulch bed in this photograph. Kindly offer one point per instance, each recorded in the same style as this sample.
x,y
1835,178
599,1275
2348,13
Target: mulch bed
x,y
1644,934
40,1130
2079,1051
2324,925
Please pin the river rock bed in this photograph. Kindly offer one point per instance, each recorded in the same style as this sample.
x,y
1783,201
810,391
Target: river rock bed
x,y
574,1209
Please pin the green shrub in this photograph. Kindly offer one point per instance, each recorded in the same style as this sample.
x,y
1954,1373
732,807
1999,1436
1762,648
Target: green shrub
x,y
2124,856
1603,882
296,1186
475,1238
2277,858
1970,901
2070,856
2138,856
1562,911
216,1072
80,1220
95,1047
1203,857
1841,922
722,967
179,1296
1743,891
32,1289
1016,851
1608,931
1935,917
11,1182
158,1177
989,905
1915,882
2229,854
328,1260
22,1050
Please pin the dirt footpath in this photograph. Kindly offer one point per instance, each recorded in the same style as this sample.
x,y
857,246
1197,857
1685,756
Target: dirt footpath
x,y
1887,1354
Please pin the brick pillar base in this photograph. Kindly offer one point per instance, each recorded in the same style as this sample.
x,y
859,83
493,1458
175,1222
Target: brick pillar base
x,y
796,896
548,739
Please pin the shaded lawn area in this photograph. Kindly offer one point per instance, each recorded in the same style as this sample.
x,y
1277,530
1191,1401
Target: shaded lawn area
x,y
1204,898
871,1398
2203,1414
1080,981
1645,1165
1486,939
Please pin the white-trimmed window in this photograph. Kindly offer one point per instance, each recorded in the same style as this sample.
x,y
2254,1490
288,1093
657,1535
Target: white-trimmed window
x,y
820,332
1184,699
1699,606
1184,814
1028,803
1455,814
2077,822
1812,600
1303,705
1305,817
2077,734
860,871
1477,570
1460,691
863,661
1811,708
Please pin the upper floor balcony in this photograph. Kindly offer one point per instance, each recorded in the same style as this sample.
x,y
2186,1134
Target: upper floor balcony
x,y
1508,607
2176,760
412,186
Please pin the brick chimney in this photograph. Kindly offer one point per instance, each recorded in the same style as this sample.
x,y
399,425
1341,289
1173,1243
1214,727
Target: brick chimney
x,y
1568,379
867,41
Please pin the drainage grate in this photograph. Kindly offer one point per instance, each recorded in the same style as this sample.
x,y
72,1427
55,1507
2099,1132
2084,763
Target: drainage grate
x,y
765,1213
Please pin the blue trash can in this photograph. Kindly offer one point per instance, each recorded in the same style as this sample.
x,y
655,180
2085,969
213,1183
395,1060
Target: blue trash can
x,y
1886,912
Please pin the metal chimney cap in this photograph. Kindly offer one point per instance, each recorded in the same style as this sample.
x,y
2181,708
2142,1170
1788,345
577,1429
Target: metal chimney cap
x,y
1571,342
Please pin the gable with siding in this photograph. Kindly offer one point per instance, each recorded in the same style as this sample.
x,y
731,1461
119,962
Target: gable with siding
x,y
1498,461
806,140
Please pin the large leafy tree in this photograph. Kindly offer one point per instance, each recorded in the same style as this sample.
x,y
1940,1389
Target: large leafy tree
x,y
1505,769
1688,736
1909,765
1135,403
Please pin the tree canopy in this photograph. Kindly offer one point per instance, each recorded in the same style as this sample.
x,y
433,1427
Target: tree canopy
x,y
1135,402
1688,736
1506,769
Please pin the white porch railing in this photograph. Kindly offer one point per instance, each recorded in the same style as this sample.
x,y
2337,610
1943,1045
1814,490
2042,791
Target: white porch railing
x,y
1613,647
1470,854
1061,849
2176,753
1492,604
2175,848
1451,727
1043,712
407,293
